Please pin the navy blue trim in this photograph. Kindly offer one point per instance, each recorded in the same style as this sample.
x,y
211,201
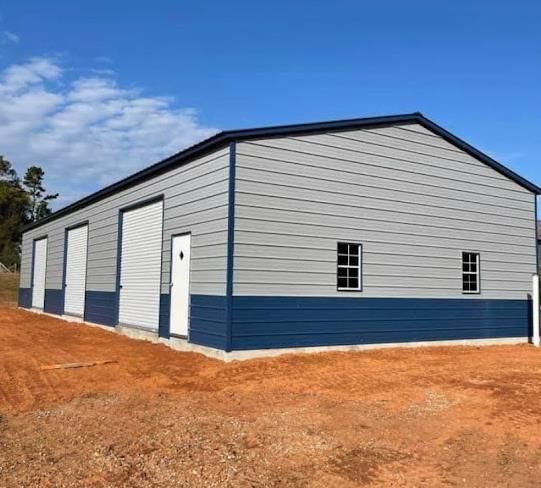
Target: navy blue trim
x,y
143,203
222,139
536,239
230,245
100,307
164,325
208,321
277,322
54,301
25,298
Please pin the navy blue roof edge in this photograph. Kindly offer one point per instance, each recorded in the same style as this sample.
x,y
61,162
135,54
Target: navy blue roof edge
x,y
222,139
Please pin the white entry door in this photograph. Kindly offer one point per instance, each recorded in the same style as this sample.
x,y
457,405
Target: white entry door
x,y
140,266
75,280
38,273
180,284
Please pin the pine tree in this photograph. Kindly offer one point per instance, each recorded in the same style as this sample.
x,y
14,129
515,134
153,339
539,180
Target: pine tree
x,y
39,200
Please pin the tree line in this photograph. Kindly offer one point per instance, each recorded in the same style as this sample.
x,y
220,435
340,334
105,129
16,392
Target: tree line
x,y
22,201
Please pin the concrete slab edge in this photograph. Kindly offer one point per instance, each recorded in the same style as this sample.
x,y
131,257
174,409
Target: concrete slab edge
x,y
183,345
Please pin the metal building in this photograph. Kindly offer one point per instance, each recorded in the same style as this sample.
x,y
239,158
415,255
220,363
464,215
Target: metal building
x,y
367,231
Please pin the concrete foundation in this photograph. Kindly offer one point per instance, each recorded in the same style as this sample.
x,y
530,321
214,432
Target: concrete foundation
x,y
183,345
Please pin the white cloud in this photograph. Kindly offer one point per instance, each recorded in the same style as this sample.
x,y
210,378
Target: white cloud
x,y
7,37
86,132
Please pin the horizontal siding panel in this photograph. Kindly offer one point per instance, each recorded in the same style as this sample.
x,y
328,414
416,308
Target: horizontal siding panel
x,y
353,199
390,252
389,158
338,180
415,204
400,148
368,165
422,136
207,320
195,200
100,307
275,322
328,279
268,217
54,301
251,233
368,183
294,260
497,291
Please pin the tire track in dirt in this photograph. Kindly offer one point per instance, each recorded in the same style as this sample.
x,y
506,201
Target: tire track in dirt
x,y
386,418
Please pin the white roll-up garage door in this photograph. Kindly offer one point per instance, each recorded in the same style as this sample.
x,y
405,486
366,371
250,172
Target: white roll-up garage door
x,y
140,266
38,273
75,280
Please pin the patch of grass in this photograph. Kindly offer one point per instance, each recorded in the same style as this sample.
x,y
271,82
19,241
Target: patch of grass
x,y
9,284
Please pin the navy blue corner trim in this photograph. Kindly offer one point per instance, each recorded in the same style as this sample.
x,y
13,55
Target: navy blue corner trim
x,y
165,307
278,322
25,297
230,244
536,239
208,320
100,307
54,301
223,138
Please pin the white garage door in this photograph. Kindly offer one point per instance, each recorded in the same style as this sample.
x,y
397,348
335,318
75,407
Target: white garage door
x,y
75,281
38,273
140,266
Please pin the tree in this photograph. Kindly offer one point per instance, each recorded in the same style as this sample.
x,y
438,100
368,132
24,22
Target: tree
x,y
39,200
14,213
7,172
20,203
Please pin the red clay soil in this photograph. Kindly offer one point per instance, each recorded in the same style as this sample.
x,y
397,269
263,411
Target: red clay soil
x,y
457,416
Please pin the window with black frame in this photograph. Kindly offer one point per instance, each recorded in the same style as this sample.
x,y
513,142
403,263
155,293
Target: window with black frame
x,y
470,272
349,275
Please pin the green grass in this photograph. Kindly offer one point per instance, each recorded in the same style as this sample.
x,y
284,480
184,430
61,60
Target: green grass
x,y
9,284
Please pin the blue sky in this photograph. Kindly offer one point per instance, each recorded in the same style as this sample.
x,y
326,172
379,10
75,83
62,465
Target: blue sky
x,y
120,84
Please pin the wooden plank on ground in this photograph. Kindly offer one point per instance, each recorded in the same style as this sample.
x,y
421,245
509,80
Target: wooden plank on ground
x,y
77,365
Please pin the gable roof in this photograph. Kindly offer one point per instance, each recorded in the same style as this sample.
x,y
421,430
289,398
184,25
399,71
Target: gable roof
x,y
224,138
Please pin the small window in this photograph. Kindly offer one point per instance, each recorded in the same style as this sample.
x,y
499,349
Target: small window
x,y
349,266
470,272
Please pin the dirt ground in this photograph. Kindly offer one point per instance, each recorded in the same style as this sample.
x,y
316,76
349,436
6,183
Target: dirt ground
x,y
453,416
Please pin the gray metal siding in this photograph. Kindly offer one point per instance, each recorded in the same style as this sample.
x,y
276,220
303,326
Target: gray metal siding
x,y
195,200
414,200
